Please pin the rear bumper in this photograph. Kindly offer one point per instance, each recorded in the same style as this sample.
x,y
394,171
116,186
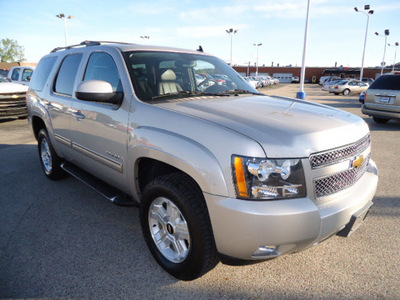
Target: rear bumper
x,y
380,113
251,230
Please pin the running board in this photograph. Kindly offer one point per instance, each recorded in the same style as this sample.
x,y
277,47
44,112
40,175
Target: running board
x,y
104,189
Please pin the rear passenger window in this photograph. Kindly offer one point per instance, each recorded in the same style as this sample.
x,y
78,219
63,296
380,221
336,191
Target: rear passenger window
x,y
66,75
101,66
41,73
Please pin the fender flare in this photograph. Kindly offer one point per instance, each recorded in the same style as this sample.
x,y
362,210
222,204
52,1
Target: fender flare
x,y
180,152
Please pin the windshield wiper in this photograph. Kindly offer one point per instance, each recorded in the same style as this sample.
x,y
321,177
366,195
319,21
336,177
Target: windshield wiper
x,y
189,94
239,91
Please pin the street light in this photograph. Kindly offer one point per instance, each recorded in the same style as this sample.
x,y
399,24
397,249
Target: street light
x,y
63,17
301,94
384,49
231,32
370,12
257,45
395,50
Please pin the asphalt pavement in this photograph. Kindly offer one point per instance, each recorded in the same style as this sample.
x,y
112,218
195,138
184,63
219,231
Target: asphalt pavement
x,y
60,239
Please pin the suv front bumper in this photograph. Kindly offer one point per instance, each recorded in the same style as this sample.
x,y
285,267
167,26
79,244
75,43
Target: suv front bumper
x,y
251,230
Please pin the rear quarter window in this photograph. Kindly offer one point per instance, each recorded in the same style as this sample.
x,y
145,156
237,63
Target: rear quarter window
x,y
41,73
387,82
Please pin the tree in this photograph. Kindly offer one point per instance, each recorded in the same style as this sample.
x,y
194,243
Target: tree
x,y
10,51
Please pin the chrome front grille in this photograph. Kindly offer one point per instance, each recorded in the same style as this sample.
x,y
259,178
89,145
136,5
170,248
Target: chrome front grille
x,y
331,184
322,159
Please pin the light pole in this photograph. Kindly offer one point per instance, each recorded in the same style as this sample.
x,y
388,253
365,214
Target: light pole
x,y
395,50
231,32
301,94
257,45
370,12
384,49
64,18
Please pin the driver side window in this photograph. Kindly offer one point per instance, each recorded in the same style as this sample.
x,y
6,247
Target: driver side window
x,y
101,66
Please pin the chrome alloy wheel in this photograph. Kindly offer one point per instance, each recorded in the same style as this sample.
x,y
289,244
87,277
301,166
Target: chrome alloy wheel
x,y
45,155
169,230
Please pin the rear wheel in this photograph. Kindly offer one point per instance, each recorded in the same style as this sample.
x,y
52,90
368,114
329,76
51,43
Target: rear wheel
x,y
176,226
346,92
380,120
50,161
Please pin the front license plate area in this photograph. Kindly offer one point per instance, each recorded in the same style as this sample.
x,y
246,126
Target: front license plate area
x,y
355,222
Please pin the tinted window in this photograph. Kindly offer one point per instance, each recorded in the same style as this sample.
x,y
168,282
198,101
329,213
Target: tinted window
x,y
167,75
67,73
387,82
15,74
101,66
27,74
42,71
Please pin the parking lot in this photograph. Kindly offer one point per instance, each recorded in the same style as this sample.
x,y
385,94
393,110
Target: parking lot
x,y
63,240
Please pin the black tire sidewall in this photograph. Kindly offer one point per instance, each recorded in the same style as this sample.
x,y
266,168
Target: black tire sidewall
x,y
56,172
192,266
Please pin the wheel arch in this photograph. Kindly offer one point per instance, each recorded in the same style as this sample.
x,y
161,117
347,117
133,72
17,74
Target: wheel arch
x,y
37,125
165,153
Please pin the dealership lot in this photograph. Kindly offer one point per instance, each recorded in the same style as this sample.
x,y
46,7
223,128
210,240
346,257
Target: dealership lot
x,y
61,239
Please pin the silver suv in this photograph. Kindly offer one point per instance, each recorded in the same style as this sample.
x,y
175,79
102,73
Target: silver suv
x,y
220,171
382,99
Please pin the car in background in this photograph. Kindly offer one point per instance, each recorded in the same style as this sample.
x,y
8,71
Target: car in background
x,y
348,86
12,99
368,80
323,78
382,99
254,83
295,79
4,72
328,83
362,98
21,74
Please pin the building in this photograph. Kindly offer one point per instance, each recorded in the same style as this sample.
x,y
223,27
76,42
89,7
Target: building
x,y
312,74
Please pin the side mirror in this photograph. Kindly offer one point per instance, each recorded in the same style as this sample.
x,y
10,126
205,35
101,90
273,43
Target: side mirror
x,y
98,91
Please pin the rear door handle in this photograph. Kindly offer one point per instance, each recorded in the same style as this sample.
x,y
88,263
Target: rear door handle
x,y
78,115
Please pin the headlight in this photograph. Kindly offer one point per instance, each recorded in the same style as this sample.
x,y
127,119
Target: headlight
x,y
269,179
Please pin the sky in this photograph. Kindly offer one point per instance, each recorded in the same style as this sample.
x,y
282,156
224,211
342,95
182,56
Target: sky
x,y
336,32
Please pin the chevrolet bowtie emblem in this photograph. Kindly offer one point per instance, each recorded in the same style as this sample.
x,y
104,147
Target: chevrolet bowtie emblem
x,y
15,96
357,162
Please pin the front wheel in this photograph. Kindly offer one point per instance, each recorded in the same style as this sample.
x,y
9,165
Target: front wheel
x,y
177,228
50,161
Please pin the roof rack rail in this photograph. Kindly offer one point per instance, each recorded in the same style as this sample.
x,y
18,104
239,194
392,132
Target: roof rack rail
x,y
87,44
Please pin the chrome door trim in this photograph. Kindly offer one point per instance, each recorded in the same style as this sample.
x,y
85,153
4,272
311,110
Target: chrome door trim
x,y
115,165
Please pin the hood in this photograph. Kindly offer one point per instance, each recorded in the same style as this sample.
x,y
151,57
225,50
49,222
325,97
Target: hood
x,y
284,127
9,87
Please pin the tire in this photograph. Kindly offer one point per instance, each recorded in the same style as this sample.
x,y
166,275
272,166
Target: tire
x,y
346,92
175,203
50,161
380,120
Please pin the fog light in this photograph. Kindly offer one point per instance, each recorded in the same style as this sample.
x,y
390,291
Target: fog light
x,y
264,252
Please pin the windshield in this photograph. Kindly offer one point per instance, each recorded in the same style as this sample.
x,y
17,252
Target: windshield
x,y
166,75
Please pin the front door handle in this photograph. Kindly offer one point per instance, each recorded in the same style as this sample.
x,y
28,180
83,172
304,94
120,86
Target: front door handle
x,y
78,115
48,105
